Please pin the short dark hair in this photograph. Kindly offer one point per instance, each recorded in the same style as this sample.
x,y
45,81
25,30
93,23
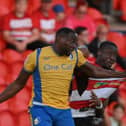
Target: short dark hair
x,y
107,44
118,106
46,1
81,3
65,32
80,29
16,1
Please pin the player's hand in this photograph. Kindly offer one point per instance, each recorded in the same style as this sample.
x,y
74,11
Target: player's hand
x,y
94,101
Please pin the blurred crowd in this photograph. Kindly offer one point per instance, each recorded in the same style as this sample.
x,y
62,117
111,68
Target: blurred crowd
x,y
23,29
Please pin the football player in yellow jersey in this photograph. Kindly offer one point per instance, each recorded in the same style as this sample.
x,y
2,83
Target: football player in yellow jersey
x,y
52,68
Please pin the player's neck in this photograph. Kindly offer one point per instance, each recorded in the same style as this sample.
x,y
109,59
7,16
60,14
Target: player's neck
x,y
57,50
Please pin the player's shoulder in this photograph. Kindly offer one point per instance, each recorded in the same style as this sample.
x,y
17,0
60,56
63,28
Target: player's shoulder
x,y
45,48
78,51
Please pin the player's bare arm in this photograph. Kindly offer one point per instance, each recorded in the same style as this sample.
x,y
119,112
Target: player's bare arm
x,y
15,87
99,72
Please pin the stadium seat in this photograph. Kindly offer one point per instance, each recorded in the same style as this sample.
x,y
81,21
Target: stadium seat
x,y
116,4
62,2
122,87
119,40
10,56
3,10
94,13
16,67
118,68
34,5
29,83
109,109
5,6
10,78
20,101
1,56
24,119
3,69
15,70
3,106
26,53
7,119
3,81
101,21
2,45
123,9
122,97
125,37
4,73
122,94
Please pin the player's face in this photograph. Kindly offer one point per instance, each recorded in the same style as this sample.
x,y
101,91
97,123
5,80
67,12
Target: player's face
x,y
67,44
107,57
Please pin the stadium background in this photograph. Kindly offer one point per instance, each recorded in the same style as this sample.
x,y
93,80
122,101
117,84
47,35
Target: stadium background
x,y
110,12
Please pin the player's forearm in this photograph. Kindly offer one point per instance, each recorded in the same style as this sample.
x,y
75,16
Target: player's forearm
x,y
98,72
102,73
10,91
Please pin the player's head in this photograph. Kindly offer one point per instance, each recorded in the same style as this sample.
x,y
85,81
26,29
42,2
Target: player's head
x,y
107,54
66,40
21,5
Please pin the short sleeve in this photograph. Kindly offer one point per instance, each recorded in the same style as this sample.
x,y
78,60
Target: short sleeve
x,y
30,62
81,59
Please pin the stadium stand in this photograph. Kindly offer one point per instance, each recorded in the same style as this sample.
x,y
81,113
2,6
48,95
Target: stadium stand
x,y
24,119
25,53
10,56
94,13
20,101
4,106
3,71
14,112
7,119
119,40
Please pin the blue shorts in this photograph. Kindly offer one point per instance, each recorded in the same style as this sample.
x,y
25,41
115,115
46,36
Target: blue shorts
x,y
49,116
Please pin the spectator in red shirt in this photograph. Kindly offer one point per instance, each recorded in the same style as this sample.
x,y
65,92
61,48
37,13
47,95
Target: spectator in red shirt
x,y
60,16
18,29
44,20
81,18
